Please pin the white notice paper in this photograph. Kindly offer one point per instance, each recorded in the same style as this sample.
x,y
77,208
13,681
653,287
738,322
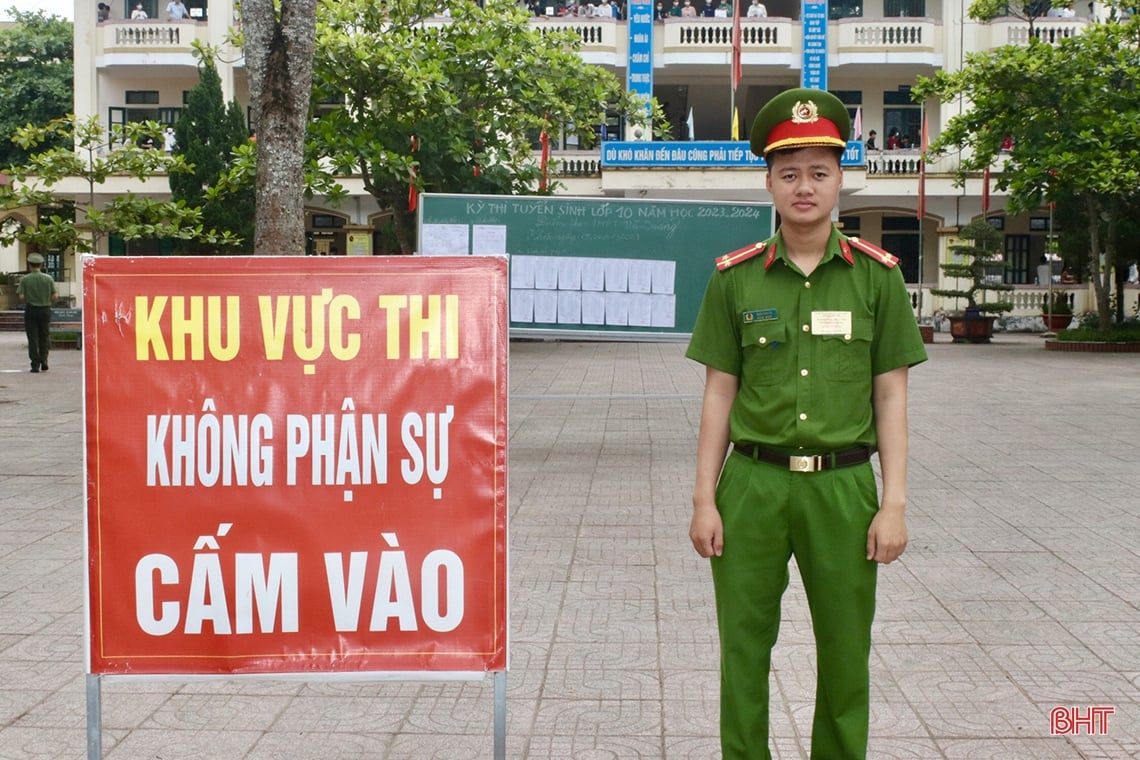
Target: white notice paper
x,y
593,308
488,239
640,310
640,277
664,311
444,240
569,307
546,306
522,305
617,309
522,271
617,276
593,274
664,276
569,273
545,273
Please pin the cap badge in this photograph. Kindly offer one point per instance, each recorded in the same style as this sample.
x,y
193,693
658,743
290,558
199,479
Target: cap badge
x,y
805,112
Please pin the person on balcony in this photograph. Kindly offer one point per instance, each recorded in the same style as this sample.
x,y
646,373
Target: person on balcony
x,y
687,10
102,12
176,10
709,11
893,139
675,9
138,14
757,10
871,144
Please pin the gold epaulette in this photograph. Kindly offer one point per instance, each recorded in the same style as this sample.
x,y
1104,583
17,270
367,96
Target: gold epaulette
x,y
885,258
735,257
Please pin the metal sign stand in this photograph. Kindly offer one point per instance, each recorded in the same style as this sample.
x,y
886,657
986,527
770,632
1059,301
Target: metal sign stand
x,y
95,715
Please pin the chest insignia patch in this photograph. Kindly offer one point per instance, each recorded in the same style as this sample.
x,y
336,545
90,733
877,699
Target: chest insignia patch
x,y
760,315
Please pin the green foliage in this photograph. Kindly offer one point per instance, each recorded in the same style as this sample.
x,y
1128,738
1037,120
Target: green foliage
x,y
980,264
97,157
206,135
35,78
1060,304
454,106
1125,332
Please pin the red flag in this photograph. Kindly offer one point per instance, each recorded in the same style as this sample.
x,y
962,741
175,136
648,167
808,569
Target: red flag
x,y
922,172
985,191
737,70
545,140
413,194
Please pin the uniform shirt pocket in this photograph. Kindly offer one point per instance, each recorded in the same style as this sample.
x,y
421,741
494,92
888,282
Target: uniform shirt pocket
x,y
847,358
767,354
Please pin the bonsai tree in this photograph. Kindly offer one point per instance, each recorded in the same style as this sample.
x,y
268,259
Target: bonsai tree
x,y
979,263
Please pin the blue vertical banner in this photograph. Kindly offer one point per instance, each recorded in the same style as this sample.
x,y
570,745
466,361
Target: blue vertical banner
x,y
814,71
640,64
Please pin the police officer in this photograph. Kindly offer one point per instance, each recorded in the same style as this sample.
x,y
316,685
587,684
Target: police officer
x,y
807,339
37,292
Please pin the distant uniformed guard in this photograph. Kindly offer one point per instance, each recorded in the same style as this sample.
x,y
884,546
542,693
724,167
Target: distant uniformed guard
x,y
37,292
807,339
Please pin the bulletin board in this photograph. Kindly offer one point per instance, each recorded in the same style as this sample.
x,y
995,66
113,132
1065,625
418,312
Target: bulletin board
x,y
618,269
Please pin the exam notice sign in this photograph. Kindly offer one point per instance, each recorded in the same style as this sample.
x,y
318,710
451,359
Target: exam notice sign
x,y
295,464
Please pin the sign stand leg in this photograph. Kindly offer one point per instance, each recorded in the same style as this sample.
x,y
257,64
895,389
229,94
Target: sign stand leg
x,y
500,715
94,716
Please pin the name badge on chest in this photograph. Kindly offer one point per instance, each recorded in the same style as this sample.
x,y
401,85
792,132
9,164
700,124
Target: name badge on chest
x,y
831,323
760,315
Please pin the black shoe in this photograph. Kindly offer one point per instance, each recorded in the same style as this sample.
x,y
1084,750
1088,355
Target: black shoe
x,y
43,367
35,368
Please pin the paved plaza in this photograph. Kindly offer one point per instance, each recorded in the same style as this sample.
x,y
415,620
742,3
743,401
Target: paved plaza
x,y
1019,593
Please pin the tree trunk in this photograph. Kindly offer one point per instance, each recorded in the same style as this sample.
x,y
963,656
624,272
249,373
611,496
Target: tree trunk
x,y
279,43
1101,280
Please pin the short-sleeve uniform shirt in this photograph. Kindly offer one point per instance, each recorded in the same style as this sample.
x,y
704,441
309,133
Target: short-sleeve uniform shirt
x,y
805,348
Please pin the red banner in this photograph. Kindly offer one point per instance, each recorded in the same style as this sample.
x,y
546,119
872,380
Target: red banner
x,y
296,464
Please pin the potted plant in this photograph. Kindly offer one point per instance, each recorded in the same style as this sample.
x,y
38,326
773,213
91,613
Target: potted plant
x,y
1057,311
978,260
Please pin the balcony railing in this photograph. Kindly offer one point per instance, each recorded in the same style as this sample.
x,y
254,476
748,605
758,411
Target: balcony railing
x,y
597,35
709,35
896,35
1013,31
151,36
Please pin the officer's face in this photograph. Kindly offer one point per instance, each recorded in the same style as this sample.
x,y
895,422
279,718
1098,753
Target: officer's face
x,y
804,184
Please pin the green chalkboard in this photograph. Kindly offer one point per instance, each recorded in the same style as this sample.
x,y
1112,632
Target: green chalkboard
x,y
597,267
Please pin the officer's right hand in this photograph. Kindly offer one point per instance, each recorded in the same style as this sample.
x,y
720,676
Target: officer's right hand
x,y
706,530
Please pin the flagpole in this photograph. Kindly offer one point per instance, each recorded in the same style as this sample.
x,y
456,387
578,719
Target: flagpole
x,y
922,206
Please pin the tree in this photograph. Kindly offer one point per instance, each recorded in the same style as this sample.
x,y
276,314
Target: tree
x,y
36,78
977,258
278,43
206,136
1072,111
455,106
97,156
1029,12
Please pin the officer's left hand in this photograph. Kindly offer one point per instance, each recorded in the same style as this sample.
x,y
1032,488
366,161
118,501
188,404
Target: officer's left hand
x,y
886,540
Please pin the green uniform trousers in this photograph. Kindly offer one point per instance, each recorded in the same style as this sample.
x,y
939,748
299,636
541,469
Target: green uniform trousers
x,y
822,518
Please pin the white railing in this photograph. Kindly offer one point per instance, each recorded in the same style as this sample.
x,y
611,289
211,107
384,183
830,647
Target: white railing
x,y
900,35
160,36
597,35
1013,31
704,35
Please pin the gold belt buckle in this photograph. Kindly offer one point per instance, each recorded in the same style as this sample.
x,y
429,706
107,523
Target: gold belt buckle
x,y
805,464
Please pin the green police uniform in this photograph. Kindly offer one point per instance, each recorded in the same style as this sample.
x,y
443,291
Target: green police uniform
x,y
805,350
37,291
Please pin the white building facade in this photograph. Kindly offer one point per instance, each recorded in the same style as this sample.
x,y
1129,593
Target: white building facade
x,y
135,70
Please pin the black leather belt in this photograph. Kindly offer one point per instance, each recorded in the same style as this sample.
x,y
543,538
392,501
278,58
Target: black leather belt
x,y
812,463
